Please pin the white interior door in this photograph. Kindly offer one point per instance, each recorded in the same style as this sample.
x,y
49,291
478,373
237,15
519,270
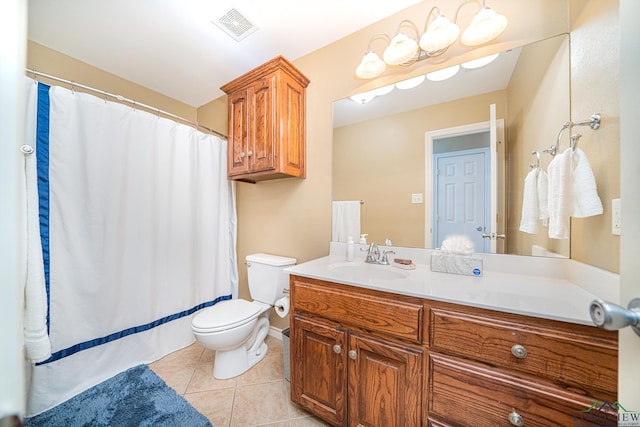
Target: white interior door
x,y
496,175
461,197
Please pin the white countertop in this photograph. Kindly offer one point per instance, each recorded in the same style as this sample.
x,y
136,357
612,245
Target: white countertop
x,y
533,295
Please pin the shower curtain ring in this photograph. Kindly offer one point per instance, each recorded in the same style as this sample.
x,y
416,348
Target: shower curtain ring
x,y
27,149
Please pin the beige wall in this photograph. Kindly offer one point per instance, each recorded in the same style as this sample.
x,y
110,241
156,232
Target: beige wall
x,y
382,161
54,63
538,108
595,63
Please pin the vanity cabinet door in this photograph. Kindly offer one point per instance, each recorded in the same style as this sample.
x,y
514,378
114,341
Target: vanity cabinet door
x,y
385,386
319,368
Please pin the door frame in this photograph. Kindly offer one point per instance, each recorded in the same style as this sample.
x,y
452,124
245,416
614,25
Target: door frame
x,y
496,150
486,182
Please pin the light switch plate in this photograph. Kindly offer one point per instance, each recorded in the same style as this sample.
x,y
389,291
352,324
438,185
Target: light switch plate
x,y
616,217
416,198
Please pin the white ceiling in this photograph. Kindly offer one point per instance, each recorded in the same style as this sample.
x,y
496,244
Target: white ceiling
x,y
171,46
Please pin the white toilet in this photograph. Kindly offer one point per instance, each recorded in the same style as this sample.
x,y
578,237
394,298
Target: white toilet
x,y
236,329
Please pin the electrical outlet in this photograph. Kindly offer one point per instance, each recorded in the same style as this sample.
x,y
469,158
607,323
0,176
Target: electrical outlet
x,y
416,198
616,217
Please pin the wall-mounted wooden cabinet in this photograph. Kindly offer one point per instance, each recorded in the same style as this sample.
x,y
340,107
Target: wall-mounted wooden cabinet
x,y
267,123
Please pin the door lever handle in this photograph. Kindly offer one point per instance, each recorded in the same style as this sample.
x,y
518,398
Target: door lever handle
x,y
612,317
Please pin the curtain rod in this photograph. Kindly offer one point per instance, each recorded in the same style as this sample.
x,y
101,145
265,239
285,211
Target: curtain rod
x,y
120,98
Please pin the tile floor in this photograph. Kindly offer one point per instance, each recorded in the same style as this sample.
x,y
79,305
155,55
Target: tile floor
x,y
259,397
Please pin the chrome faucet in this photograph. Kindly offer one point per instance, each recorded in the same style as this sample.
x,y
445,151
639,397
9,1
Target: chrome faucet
x,y
373,253
374,256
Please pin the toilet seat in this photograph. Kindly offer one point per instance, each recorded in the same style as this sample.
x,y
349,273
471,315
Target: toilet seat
x,y
227,315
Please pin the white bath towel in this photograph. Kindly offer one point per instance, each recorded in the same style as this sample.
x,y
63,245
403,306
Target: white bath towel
x,y
543,197
585,194
345,220
36,340
560,198
530,211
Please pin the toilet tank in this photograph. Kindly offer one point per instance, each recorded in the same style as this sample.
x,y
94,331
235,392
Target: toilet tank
x,y
266,276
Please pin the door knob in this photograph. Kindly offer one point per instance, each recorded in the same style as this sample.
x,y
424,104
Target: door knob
x,y
611,317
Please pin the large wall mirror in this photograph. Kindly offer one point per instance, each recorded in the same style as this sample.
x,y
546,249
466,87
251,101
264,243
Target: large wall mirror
x,y
385,151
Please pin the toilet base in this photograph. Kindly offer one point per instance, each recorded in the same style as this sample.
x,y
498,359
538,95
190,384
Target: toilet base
x,y
231,363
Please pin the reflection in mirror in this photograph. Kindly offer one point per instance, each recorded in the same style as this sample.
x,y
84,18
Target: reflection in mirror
x,y
383,149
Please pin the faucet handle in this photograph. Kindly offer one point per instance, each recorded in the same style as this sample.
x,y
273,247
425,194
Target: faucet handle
x,y
383,258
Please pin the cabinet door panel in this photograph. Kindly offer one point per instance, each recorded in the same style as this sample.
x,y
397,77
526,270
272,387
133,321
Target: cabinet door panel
x,y
384,384
262,138
293,155
237,159
318,374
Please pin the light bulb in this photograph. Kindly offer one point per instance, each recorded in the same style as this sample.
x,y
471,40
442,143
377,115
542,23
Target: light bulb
x,y
401,49
440,35
486,25
371,66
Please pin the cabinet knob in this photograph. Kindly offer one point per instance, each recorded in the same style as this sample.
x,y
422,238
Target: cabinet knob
x,y
242,154
519,351
337,349
353,354
516,419
250,153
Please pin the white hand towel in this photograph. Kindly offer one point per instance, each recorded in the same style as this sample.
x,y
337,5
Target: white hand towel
x,y
560,198
530,212
345,220
585,194
543,197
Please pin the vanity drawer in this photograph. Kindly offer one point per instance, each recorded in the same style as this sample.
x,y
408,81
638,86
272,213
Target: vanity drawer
x,y
467,394
567,354
390,314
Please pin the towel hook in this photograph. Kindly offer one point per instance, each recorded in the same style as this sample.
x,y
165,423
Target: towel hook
x,y
535,165
574,140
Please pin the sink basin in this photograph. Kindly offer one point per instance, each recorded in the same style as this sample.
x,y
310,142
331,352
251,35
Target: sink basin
x,y
367,272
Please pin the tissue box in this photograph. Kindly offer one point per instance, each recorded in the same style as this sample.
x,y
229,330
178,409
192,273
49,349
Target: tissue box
x,y
468,265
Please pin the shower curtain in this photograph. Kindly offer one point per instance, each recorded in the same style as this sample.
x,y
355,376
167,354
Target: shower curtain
x,y
138,228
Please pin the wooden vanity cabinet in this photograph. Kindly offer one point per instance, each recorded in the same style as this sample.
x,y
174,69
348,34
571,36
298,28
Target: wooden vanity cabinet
x,y
364,357
266,123
348,364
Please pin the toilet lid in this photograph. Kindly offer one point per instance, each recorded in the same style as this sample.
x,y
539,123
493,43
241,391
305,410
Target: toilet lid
x,y
226,314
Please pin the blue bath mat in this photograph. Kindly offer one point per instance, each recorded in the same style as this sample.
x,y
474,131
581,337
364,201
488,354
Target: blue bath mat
x,y
135,397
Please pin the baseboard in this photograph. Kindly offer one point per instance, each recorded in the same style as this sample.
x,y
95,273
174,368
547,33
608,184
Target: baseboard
x,y
275,332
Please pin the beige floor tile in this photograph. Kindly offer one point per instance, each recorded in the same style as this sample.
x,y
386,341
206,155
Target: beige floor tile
x,y
268,369
216,405
187,356
203,380
177,377
259,404
259,397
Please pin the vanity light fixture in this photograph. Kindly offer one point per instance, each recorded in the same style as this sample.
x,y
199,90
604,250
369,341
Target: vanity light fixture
x,y
408,46
444,74
480,62
410,83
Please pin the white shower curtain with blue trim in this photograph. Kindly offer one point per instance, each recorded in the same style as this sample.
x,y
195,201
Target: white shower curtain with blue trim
x,y
138,228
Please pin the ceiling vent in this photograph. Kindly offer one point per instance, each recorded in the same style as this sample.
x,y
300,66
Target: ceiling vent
x,y
236,25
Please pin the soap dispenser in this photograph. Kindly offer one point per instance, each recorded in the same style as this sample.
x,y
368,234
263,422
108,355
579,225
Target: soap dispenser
x,y
350,249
